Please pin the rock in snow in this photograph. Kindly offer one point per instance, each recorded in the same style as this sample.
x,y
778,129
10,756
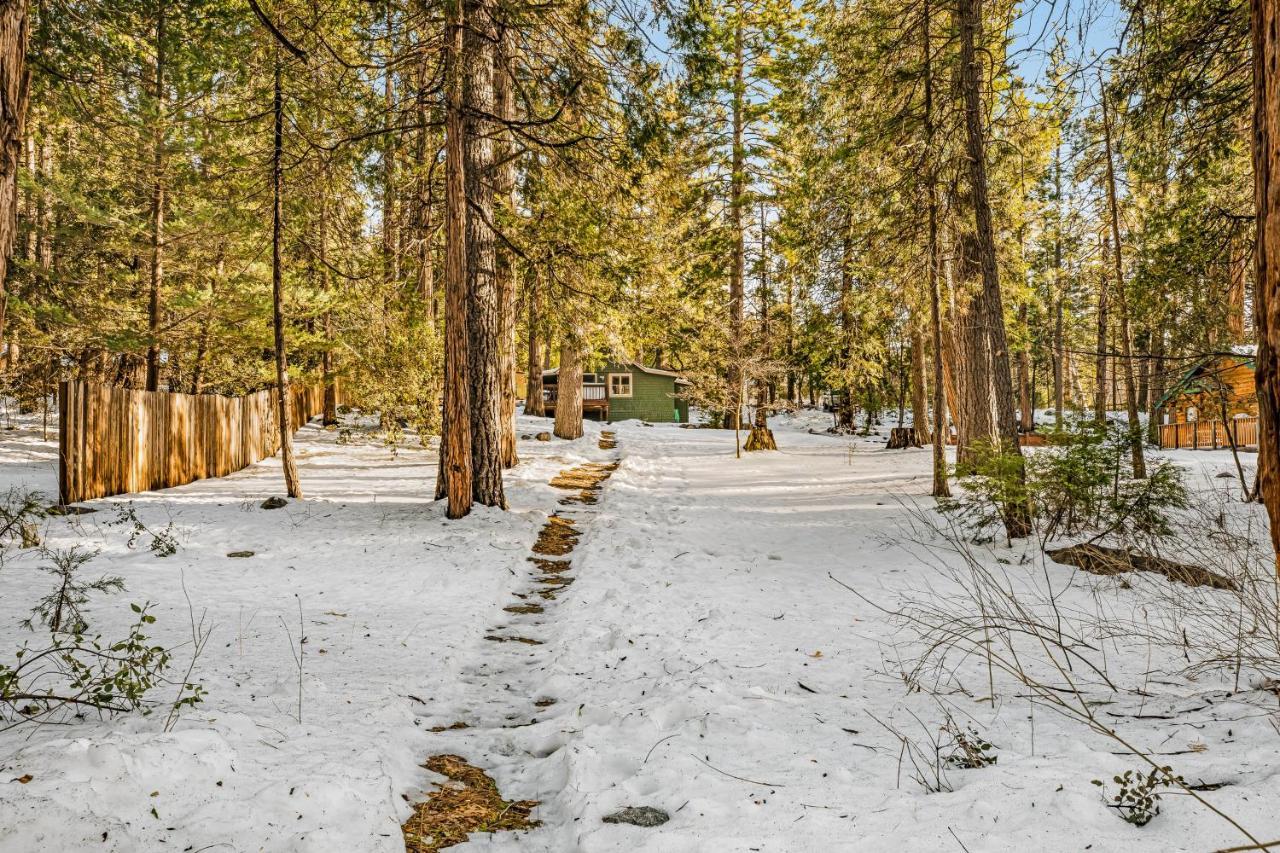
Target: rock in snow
x,y
274,503
638,816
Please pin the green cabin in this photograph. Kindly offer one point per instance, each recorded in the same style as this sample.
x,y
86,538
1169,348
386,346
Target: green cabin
x,y
619,392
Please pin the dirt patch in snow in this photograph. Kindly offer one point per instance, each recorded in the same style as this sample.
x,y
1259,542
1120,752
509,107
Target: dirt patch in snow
x,y
528,641
1102,560
586,480
557,537
523,608
469,802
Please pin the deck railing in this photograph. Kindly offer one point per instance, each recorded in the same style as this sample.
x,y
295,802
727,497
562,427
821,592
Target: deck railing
x,y
1209,435
589,393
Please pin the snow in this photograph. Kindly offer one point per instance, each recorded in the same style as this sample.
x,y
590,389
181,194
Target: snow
x,y
703,662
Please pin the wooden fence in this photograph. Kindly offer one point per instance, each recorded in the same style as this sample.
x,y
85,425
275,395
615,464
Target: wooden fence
x,y
1209,435
115,440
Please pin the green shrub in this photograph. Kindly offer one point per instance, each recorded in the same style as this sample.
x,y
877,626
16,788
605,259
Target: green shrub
x,y
1082,482
74,672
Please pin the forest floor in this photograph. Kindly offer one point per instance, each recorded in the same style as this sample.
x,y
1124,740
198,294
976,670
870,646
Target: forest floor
x,y
701,660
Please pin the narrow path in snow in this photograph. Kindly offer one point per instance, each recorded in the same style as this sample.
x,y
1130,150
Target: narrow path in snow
x,y
503,664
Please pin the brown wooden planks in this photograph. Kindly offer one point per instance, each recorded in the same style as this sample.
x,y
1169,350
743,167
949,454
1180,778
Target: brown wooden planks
x,y
115,440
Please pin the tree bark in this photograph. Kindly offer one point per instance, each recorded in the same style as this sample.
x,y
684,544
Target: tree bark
x,y
504,188
990,308
1100,358
737,194
390,230
844,407
1265,28
977,430
940,487
919,387
1126,335
1026,408
569,390
484,309
426,283
454,479
157,206
1059,344
14,80
330,417
284,410
533,403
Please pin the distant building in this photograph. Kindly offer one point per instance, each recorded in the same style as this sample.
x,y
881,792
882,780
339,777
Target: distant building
x,y
619,392
1193,408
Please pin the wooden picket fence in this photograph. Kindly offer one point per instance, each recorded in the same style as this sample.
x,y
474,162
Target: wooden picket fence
x,y
1210,435
115,440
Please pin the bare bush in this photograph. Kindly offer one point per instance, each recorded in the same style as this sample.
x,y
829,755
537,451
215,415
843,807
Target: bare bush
x,y
1010,617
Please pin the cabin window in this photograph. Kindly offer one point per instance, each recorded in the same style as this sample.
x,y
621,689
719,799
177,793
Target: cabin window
x,y
1192,414
619,384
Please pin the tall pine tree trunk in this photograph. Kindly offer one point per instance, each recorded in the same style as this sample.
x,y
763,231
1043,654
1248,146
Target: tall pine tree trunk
x,y
569,389
390,223
1100,357
504,188
14,80
977,430
1126,334
484,309
737,200
284,410
844,406
1265,27
454,479
533,403
990,310
919,385
425,156
1026,406
156,265
940,487
330,415
1059,342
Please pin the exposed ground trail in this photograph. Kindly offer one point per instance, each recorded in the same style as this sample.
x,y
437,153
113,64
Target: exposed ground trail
x,y
445,816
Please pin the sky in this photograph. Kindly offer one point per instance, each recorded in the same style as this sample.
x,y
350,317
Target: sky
x,y
1090,27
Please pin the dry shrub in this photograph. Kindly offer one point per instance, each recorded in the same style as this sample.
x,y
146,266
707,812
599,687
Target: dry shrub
x,y
1016,624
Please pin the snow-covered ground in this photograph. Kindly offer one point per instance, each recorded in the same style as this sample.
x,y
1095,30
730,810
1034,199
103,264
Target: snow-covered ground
x,y
703,662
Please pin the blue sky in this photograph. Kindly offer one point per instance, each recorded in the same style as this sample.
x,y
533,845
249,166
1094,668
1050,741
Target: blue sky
x,y
1091,27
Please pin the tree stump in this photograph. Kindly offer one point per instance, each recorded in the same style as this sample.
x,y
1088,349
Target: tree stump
x,y
902,437
761,437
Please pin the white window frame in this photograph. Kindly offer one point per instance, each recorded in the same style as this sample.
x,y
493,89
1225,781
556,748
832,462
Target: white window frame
x,y
619,394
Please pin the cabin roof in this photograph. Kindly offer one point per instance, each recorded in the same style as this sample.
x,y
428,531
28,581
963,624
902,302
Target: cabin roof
x,y
1203,375
654,371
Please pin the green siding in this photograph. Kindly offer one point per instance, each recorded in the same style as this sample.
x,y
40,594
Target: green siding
x,y
652,397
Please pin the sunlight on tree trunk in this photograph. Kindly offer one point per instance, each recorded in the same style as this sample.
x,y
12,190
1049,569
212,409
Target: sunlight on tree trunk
x,y
569,390
1266,163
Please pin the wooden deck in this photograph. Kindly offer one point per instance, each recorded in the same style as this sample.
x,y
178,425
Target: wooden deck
x,y
1210,435
595,400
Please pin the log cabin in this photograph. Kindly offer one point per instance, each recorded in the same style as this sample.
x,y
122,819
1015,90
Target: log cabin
x,y
1194,407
